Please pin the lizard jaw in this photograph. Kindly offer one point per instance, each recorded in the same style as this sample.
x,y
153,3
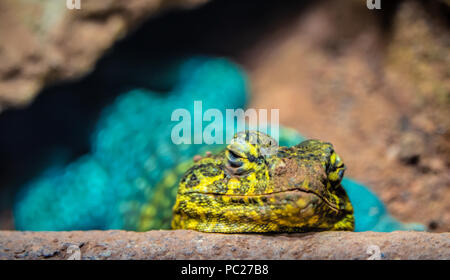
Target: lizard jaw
x,y
290,211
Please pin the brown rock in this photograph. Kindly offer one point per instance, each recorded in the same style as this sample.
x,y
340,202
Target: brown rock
x,y
182,244
44,42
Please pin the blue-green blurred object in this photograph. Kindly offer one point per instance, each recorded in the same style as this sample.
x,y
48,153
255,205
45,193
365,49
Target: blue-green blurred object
x,y
132,150
370,213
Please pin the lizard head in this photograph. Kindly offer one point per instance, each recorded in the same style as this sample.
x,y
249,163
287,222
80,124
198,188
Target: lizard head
x,y
255,186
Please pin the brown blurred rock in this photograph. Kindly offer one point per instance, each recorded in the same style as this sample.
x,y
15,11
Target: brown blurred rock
x,y
181,244
411,147
374,83
43,42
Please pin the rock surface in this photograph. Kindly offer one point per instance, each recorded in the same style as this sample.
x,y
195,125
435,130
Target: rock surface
x,y
182,244
47,42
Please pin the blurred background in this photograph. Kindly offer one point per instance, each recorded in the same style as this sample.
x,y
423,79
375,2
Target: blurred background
x,y
375,83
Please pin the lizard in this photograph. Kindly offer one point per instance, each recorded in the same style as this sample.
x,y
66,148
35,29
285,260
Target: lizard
x,y
255,186
369,211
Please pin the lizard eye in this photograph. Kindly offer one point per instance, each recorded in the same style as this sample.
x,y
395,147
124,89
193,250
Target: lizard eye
x,y
336,169
248,152
236,157
243,154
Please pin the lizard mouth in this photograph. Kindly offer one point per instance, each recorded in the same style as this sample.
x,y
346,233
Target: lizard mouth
x,y
276,197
